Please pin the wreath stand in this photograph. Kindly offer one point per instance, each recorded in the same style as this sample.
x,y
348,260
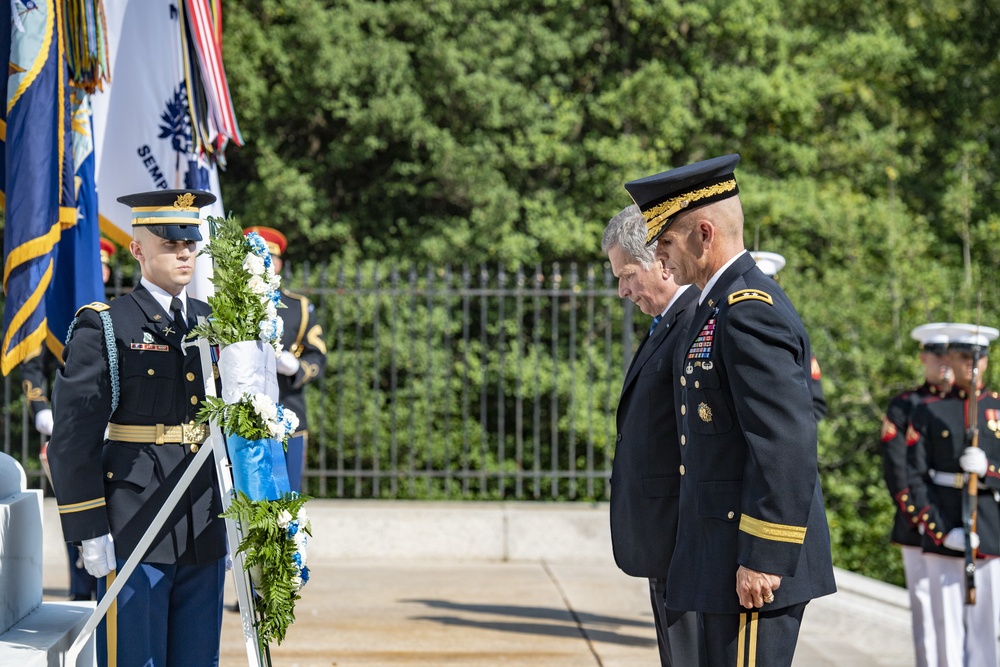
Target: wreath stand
x,y
216,444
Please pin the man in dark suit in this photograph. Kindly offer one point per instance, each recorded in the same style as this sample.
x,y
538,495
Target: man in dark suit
x,y
124,369
753,545
302,359
645,483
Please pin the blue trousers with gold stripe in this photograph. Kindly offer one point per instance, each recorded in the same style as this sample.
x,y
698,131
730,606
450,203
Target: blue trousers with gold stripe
x,y
165,616
756,638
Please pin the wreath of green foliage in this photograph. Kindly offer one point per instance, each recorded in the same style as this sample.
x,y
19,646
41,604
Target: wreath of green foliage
x,y
235,418
269,551
236,311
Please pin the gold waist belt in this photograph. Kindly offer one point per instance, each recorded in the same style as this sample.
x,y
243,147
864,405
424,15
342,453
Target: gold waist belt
x,y
160,434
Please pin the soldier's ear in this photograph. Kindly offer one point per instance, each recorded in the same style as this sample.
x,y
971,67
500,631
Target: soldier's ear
x,y
136,249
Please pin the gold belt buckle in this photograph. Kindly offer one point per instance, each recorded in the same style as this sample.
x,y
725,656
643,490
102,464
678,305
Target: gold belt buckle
x,y
192,433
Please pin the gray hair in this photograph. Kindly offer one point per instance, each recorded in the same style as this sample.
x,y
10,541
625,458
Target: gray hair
x,y
627,230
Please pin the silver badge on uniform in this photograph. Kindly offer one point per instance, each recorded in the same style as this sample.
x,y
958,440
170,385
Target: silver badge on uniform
x,y
707,365
689,369
147,337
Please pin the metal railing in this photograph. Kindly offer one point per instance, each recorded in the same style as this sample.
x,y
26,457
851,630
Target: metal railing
x,y
454,384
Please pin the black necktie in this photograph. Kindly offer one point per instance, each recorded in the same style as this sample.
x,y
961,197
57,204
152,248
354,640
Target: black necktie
x,y
178,313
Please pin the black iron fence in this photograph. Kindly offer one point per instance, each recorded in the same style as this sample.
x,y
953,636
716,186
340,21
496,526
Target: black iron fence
x,y
465,383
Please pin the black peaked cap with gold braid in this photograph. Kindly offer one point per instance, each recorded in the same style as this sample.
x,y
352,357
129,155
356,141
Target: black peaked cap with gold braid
x,y
170,214
662,196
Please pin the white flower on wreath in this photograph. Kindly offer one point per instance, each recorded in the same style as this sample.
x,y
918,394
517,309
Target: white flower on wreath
x,y
284,518
270,310
254,265
264,406
258,286
274,282
275,428
293,421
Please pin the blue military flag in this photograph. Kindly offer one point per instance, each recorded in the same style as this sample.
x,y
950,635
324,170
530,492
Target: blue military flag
x,y
35,178
76,280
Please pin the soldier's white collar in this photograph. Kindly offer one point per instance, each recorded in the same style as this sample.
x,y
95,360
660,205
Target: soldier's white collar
x,y
163,297
711,281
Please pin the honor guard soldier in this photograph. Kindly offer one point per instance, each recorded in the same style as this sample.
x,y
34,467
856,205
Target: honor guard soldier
x,y
753,545
645,483
937,383
126,369
770,263
302,360
37,370
951,440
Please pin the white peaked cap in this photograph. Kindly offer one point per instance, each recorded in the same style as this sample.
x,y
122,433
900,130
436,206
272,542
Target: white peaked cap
x,y
768,262
971,335
935,333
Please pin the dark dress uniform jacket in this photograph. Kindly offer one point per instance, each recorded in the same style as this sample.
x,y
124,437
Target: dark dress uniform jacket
x,y
894,467
36,371
303,337
750,491
645,484
936,439
118,487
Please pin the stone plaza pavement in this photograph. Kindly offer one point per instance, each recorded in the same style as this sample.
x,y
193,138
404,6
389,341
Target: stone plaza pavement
x,y
517,584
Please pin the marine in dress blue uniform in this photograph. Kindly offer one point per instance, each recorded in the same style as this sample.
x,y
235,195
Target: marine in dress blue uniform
x,y
940,461
302,360
125,370
645,484
937,384
753,545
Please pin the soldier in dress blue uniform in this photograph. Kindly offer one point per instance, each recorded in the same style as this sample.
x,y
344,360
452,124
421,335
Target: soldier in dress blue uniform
x,y
125,370
753,545
302,360
770,263
645,484
36,372
937,383
940,461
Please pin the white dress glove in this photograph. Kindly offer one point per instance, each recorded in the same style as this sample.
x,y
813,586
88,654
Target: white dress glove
x,y
99,555
973,459
43,421
955,540
288,364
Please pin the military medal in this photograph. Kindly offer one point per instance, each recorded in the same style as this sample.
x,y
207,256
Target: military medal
x,y
704,412
147,337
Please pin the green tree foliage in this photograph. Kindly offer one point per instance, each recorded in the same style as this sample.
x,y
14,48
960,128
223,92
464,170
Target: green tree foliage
x,y
438,131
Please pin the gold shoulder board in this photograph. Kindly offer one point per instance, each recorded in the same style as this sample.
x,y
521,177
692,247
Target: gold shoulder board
x,y
96,306
748,294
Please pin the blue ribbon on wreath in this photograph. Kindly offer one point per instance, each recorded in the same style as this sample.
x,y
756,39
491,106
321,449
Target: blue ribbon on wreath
x,y
259,469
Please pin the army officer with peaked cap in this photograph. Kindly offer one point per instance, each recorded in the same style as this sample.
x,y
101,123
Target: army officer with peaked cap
x,y
125,370
753,545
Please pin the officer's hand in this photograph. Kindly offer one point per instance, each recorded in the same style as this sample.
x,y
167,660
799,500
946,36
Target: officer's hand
x,y
973,459
955,540
287,363
43,421
99,555
756,589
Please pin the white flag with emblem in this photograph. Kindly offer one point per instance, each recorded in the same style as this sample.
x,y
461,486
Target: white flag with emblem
x,y
142,124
